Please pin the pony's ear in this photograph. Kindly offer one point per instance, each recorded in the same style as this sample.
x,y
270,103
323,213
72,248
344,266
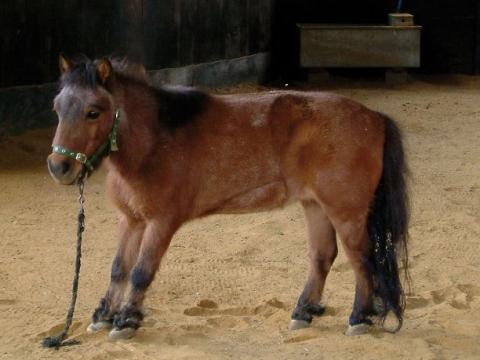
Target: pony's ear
x,y
104,70
64,64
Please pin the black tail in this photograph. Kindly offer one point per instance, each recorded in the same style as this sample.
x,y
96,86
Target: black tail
x,y
388,226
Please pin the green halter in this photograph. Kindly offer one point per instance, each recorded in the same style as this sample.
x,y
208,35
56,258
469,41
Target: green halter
x,y
109,145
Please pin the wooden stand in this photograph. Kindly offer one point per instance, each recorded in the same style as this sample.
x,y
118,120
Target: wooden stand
x,y
395,46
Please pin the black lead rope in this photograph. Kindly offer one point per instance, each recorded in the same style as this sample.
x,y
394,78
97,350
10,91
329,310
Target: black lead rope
x,y
59,340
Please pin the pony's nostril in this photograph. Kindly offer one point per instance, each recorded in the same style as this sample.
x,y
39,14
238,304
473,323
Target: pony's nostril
x,y
50,165
58,169
65,167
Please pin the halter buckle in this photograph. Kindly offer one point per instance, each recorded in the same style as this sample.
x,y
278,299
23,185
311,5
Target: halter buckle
x,y
81,158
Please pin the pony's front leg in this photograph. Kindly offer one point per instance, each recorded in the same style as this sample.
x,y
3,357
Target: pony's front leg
x,y
155,242
130,236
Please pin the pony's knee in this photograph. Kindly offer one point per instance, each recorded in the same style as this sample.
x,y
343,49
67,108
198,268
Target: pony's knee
x,y
118,273
140,278
323,260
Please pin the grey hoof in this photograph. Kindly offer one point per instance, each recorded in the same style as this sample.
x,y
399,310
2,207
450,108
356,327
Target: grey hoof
x,y
298,324
358,329
122,334
100,325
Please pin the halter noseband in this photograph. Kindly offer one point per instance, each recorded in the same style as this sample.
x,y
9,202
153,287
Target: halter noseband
x,y
109,145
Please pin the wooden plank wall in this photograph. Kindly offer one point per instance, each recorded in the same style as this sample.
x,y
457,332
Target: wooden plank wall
x,y
169,33
161,33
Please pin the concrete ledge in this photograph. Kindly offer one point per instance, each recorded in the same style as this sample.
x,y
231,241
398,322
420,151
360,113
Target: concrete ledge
x,y
26,107
252,68
29,107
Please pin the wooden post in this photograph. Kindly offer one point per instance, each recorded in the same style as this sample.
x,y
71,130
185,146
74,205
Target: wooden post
x,y
476,54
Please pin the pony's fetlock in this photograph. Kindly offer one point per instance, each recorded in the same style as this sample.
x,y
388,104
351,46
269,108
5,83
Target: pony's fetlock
x,y
359,323
102,313
306,312
358,319
128,317
315,309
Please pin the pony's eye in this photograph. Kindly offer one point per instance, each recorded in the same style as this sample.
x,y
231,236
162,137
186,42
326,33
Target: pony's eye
x,y
93,115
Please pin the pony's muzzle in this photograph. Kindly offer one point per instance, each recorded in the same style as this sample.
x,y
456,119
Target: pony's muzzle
x,y
63,170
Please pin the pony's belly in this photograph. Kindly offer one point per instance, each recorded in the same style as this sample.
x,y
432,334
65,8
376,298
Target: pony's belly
x,y
265,197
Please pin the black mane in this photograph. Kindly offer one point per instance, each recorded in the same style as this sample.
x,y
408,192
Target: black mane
x,y
180,106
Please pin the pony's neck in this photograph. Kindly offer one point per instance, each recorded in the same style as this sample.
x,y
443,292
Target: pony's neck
x,y
138,126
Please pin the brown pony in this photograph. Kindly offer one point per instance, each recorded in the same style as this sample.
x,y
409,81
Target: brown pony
x,y
174,155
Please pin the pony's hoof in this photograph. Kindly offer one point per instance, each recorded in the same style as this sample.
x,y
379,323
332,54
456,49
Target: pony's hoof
x,y
358,329
99,325
298,324
122,334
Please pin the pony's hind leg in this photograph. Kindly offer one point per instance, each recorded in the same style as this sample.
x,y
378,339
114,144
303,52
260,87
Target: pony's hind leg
x,y
322,253
357,247
130,236
155,242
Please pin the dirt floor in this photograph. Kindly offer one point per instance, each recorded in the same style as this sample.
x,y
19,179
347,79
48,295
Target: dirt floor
x,y
228,283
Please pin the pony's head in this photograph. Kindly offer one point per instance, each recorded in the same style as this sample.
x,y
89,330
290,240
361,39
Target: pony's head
x,y
86,114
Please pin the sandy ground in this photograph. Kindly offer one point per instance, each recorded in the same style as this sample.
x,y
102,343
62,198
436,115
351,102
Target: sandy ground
x,y
251,268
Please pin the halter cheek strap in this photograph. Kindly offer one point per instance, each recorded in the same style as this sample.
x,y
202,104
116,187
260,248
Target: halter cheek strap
x,y
108,146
